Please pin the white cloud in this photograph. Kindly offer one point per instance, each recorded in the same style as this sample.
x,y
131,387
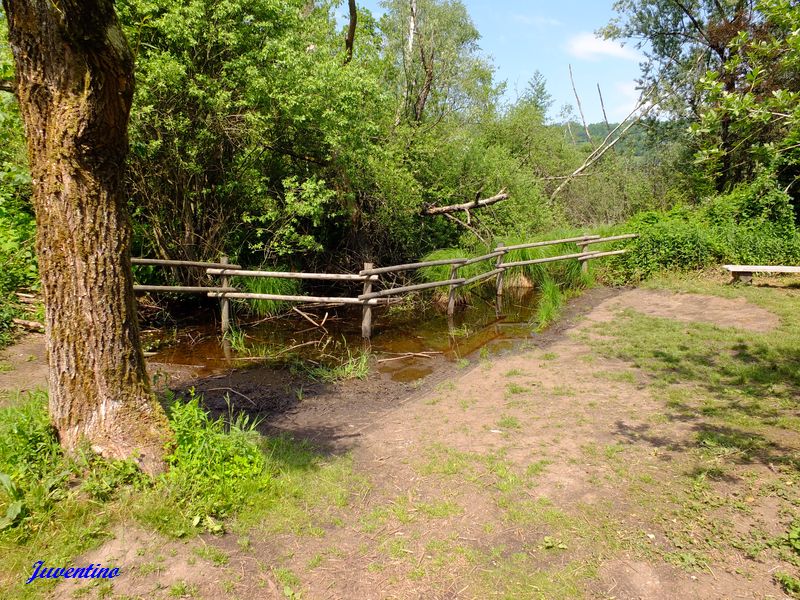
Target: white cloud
x,y
537,21
588,47
626,98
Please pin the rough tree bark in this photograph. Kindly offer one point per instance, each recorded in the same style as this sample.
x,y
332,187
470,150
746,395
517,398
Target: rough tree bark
x,y
75,85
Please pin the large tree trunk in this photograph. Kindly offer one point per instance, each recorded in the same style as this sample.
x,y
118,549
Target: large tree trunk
x,y
75,85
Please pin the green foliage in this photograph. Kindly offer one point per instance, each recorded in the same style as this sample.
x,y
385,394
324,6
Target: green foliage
x,y
754,224
56,507
751,116
39,481
550,303
790,584
267,285
17,261
355,366
214,465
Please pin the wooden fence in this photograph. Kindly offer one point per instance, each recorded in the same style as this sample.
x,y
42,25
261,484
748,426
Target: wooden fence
x,y
369,276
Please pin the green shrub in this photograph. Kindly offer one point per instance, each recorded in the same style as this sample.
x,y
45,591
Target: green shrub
x,y
214,464
17,259
754,224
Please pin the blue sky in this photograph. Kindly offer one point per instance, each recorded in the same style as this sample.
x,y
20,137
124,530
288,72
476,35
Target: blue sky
x,y
522,37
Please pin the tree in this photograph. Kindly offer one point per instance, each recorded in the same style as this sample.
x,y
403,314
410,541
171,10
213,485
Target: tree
x,y
74,84
762,114
682,40
433,60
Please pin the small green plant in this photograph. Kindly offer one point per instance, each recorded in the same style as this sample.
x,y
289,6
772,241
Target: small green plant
x,y
237,339
790,584
508,422
214,465
515,388
182,589
355,366
212,554
551,543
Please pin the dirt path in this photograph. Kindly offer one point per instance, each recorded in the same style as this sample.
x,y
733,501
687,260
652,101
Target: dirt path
x,y
553,472
23,366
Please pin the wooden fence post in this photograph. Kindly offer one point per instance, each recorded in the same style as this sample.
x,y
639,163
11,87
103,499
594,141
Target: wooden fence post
x,y
451,298
366,309
584,263
226,304
498,307
497,265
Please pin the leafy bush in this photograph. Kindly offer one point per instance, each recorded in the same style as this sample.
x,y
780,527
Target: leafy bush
x,y
17,259
214,465
754,224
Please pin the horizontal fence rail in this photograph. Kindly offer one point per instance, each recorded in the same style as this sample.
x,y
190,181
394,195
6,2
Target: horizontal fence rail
x,y
482,276
286,298
613,238
182,263
370,275
592,255
238,272
478,259
181,289
537,261
582,238
411,288
413,266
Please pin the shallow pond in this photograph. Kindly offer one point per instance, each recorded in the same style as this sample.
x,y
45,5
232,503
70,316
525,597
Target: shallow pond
x,y
420,327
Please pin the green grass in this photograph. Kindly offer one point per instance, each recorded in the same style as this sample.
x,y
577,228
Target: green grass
x,y
515,388
509,422
224,476
738,392
355,366
266,285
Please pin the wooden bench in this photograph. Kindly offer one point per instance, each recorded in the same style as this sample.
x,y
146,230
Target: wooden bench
x,y
744,273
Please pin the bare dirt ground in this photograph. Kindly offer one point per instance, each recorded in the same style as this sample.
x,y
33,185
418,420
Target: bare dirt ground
x,y
549,472
23,366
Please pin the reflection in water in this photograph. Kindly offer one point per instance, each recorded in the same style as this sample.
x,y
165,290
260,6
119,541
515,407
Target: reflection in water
x,y
485,322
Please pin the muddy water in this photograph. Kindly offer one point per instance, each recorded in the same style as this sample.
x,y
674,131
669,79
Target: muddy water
x,y
418,328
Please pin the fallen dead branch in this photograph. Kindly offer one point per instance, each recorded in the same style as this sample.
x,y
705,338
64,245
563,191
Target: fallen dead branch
x,y
440,210
404,355
29,325
308,318
227,389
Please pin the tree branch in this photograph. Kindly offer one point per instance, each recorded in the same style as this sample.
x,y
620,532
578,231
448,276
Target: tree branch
x,y
694,21
444,210
603,106
580,108
466,226
606,145
351,31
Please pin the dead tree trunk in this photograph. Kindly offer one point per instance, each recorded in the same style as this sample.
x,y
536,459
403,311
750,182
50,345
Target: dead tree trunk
x,y
350,39
75,85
